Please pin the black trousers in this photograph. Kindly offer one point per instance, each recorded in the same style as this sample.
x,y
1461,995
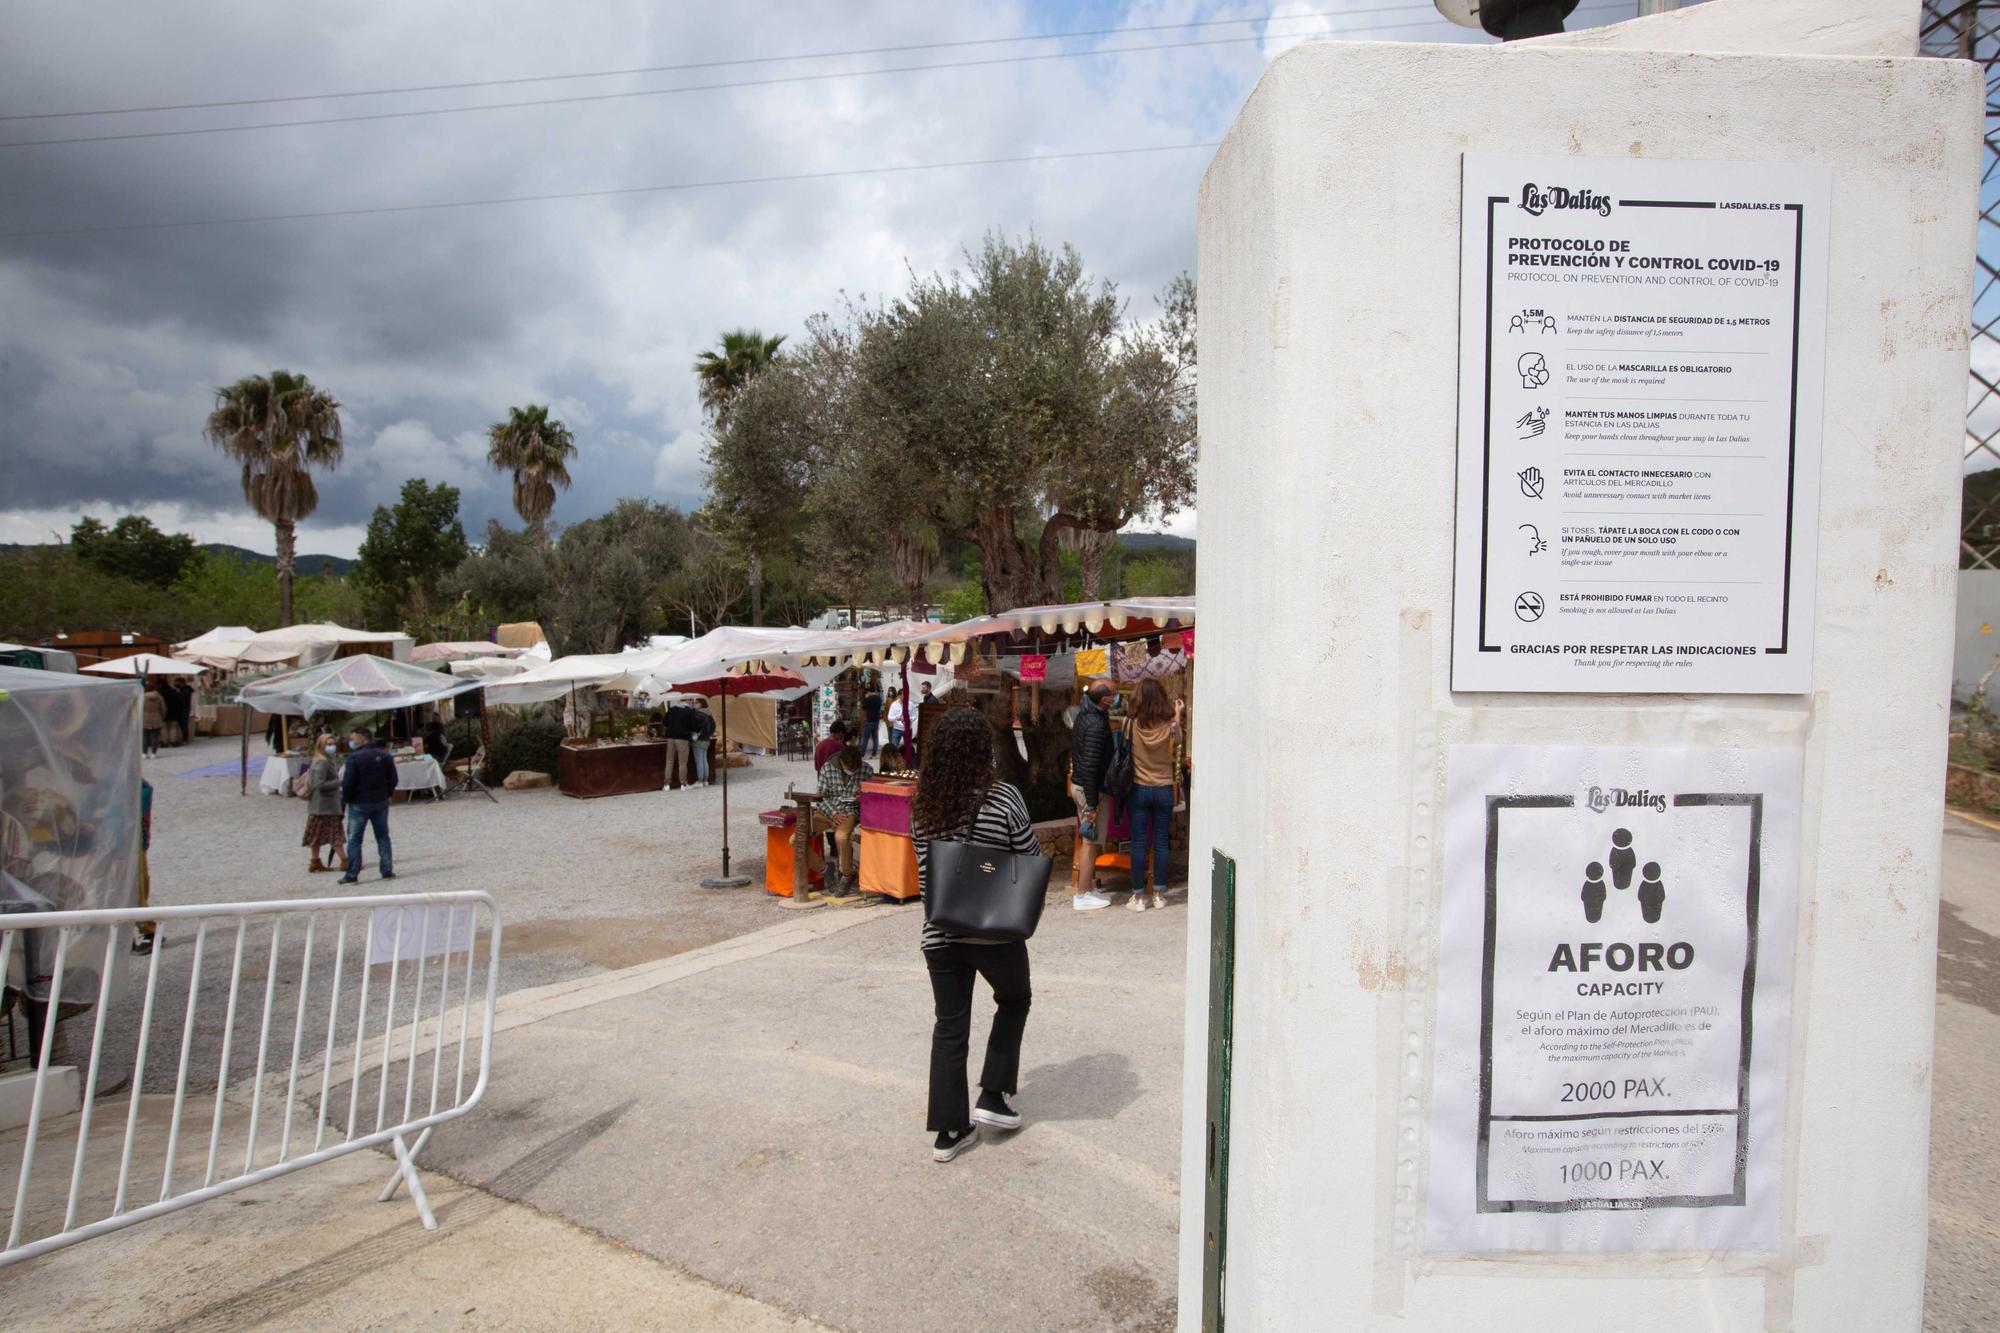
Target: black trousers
x,y
953,967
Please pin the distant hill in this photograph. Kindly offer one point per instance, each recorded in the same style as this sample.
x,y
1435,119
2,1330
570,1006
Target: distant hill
x,y
338,566
1155,541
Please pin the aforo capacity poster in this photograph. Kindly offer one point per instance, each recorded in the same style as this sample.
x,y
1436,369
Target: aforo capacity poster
x,y
1614,995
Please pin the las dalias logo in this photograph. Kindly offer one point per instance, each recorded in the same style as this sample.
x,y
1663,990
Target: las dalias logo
x,y
1538,199
1601,800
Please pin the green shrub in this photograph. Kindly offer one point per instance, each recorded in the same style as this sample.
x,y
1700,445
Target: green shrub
x,y
529,744
463,733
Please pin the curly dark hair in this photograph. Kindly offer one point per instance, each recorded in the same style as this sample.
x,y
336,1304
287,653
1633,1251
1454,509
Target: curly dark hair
x,y
957,771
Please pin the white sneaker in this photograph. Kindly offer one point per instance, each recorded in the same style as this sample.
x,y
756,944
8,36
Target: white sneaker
x,y
1159,900
1136,903
1090,901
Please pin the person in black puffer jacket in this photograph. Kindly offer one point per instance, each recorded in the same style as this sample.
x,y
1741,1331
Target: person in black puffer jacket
x,y
366,784
1089,761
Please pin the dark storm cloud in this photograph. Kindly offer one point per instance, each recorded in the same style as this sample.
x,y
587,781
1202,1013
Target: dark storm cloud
x,y
429,325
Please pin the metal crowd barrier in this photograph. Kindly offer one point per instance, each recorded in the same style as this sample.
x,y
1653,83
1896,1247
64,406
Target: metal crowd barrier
x,y
438,937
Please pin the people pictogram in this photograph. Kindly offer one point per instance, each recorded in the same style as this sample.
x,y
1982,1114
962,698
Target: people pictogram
x,y
1622,858
1624,861
1652,893
1593,892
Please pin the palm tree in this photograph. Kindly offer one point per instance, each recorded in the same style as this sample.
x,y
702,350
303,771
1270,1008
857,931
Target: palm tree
x,y
536,448
742,355
279,428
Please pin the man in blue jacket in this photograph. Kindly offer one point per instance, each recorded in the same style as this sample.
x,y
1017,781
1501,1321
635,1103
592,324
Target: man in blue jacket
x,y
366,785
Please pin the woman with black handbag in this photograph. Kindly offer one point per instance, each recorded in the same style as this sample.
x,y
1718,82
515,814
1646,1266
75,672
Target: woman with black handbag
x,y
961,806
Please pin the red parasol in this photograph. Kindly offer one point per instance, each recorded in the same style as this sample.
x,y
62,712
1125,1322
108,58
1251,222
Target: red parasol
x,y
744,683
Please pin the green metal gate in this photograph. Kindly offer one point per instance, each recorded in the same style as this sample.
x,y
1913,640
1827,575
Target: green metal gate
x,y
1221,1022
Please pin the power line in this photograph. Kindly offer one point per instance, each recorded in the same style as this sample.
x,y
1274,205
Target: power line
x,y
714,64
604,194
686,88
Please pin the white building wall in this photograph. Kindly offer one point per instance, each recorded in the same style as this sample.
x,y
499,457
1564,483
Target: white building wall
x,y
1329,341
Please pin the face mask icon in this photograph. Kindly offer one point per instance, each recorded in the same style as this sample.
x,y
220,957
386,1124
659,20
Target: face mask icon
x,y
1534,370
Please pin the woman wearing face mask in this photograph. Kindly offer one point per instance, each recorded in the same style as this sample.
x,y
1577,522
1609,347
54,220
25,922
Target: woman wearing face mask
x,y
323,807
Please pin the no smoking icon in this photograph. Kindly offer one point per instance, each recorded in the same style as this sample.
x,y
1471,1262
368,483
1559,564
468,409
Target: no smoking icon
x,y
1528,606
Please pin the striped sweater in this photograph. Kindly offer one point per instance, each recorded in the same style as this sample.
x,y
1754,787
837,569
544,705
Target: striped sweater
x,y
1001,821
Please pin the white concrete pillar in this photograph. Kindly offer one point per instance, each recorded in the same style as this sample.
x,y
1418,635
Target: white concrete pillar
x,y
1330,310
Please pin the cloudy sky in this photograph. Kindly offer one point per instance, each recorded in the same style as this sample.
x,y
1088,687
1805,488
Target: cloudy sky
x,y
427,324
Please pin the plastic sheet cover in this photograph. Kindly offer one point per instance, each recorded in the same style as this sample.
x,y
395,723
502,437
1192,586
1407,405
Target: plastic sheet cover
x,y
353,685
69,812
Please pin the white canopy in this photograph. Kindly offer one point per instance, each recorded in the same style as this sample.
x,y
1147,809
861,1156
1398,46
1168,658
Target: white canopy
x,y
459,650
145,664
353,685
231,646
579,671
937,643
225,647
315,643
488,668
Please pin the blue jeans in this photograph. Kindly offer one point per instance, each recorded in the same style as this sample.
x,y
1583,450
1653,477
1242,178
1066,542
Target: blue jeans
x,y
871,737
700,761
1152,814
359,817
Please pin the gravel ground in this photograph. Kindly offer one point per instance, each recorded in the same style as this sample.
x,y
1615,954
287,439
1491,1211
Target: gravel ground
x,y
582,887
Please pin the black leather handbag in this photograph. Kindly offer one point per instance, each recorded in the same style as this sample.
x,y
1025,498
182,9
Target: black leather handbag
x,y
985,892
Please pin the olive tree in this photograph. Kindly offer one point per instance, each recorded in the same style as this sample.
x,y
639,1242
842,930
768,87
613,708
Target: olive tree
x,y
1006,406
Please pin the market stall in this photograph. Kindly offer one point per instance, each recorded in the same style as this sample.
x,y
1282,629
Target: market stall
x,y
888,856
36,659
414,773
70,828
69,789
693,669
588,769
349,685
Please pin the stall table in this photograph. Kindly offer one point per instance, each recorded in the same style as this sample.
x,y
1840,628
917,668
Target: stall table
x,y
280,770
620,768
779,827
418,772
888,858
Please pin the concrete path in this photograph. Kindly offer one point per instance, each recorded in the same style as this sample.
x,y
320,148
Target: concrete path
x,y
732,1138
761,1124
1962,1288
315,1250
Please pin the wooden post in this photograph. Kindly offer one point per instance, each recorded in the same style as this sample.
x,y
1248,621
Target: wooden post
x,y
909,749
486,730
243,732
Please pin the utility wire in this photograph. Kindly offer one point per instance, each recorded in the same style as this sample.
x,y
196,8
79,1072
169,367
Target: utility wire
x,y
686,88
715,64
604,194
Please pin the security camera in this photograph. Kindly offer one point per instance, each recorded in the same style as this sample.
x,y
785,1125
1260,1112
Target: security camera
x,y
1509,19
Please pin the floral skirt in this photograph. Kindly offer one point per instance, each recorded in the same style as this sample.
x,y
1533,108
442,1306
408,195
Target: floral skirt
x,y
324,831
